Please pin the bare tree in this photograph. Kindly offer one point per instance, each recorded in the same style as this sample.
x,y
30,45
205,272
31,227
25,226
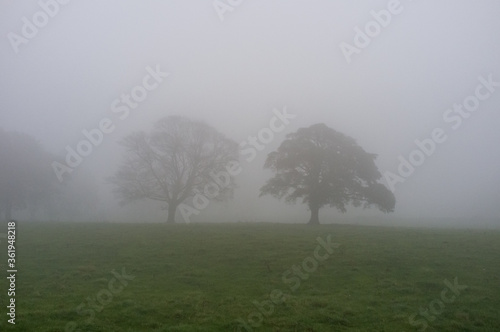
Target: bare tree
x,y
325,167
171,164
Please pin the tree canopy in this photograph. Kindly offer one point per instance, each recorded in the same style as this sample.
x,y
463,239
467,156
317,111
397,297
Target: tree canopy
x,y
324,167
172,163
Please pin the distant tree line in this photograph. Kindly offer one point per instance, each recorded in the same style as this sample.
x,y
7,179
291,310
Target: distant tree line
x,y
28,184
177,160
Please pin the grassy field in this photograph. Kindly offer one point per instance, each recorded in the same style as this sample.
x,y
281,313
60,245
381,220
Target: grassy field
x,y
252,277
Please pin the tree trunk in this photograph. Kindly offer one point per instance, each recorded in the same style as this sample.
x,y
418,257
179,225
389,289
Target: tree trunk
x,y
171,213
314,215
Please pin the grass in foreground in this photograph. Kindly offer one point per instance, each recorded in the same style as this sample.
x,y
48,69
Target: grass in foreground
x,y
203,277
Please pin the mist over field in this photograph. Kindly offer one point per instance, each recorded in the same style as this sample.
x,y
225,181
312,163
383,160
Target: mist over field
x,y
237,165
415,82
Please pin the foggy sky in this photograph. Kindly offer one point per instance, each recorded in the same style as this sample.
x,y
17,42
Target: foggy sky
x,y
267,55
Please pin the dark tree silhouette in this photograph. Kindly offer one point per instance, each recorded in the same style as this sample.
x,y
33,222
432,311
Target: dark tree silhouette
x,y
324,167
171,164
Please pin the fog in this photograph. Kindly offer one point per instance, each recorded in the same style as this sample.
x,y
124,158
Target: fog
x,y
235,66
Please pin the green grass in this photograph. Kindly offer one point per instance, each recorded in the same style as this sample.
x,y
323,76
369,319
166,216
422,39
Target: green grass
x,y
203,277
